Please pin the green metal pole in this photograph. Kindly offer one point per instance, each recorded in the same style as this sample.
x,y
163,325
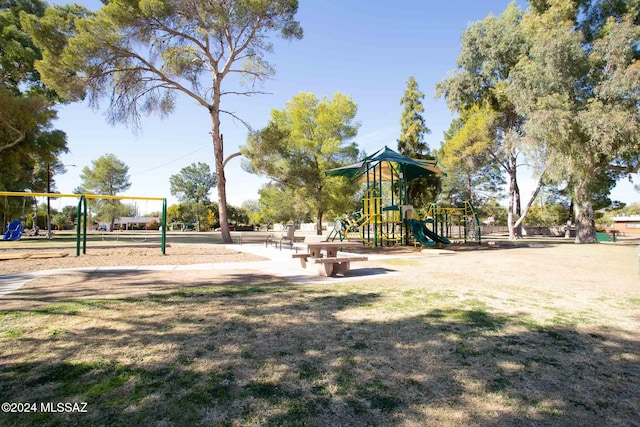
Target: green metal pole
x,y
84,226
373,205
163,240
435,218
368,193
78,224
376,208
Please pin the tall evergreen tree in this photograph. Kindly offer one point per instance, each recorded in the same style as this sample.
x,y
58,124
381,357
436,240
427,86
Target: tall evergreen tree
x,y
412,125
412,144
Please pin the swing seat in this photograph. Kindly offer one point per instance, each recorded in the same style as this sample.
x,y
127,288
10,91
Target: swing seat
x,y
14,231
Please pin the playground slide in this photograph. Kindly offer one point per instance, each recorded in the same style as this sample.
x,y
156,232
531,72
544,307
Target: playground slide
x,y
434,236
14,231
423,235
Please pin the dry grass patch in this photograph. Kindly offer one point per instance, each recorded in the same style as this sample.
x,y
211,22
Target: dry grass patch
x,y
245,349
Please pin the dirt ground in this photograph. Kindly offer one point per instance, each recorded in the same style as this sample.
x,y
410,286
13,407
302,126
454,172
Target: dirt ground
x,y
606,269
118,256
527,333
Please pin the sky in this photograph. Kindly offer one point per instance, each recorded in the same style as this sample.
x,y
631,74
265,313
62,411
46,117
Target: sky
x,y
365,49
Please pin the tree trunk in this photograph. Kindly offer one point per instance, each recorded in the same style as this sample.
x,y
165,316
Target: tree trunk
x,y
512,234
198,216
218,151
585,221
511,208
319,223
469,187
517,228
531,200
567,230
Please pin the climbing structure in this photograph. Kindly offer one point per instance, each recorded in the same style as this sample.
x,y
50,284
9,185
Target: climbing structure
x,y
385,204
453,223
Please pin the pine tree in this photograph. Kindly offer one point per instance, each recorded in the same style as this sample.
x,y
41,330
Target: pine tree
x,y
413,128
412,144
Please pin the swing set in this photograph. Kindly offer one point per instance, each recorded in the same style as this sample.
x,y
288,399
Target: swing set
x,y
81,224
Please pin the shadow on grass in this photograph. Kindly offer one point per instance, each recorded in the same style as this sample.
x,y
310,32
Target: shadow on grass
x,y
271,353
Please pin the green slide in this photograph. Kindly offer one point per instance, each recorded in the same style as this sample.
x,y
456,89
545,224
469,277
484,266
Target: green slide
x,y
423,235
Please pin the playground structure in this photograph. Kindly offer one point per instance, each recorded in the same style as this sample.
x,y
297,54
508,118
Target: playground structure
x,y
387,217
81,225
459,223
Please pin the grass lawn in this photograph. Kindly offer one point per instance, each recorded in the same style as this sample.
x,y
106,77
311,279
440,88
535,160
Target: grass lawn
x,y
246,349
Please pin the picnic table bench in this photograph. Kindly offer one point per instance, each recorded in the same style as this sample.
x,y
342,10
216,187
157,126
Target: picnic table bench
x,y
331,263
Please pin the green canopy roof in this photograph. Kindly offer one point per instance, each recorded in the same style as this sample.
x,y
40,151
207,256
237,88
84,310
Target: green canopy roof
x,y
392,163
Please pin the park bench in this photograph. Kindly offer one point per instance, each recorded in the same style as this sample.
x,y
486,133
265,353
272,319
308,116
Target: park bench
x,y
331,263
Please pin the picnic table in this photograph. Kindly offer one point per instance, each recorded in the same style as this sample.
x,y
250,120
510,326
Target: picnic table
x,y
331,263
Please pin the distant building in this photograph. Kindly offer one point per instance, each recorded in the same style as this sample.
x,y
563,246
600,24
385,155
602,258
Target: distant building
x,y
134,222
625,225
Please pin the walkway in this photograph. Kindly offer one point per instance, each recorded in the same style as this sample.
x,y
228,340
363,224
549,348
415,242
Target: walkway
x,y
279,264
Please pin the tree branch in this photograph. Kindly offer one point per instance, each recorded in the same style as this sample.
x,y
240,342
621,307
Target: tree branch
x,y
247,93
247,125
499,160
628,169
253,73
177,33
235,51
531,200
152,69
231,156
21,136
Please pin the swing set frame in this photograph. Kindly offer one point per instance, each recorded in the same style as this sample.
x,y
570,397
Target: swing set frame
x,y
81,226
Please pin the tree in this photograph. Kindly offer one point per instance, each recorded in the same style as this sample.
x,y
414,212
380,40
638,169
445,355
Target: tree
x,y
471,172
301,142
251,210
21,118
60,220
18,53
412,144
544,215
107,176
412,126
174,213
70,212
142,54
579,86
490,51
27,141
192,185
277,204
491,208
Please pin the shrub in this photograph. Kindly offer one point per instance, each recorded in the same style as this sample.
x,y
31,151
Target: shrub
x,y
153,225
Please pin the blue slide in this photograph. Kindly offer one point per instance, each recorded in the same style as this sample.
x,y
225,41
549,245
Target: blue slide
x,y
423,235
